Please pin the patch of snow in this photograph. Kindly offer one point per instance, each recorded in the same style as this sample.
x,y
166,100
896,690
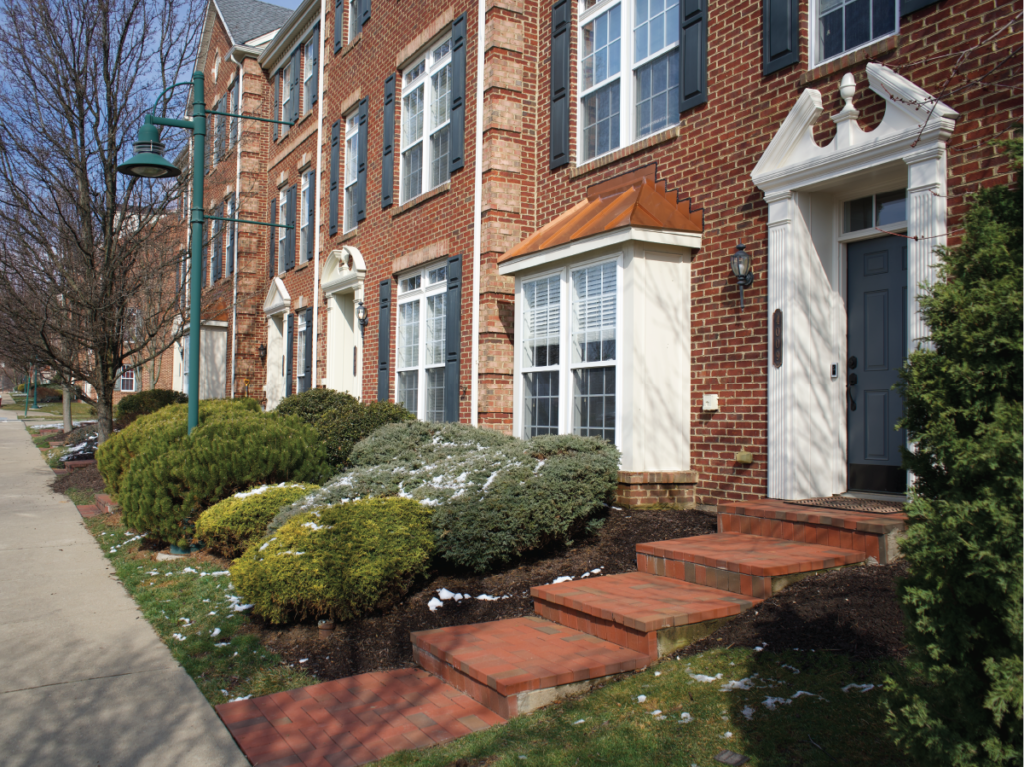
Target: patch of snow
x,y
705,677
215,633
179,637
219,572
303,660
858,687
487,598
748,712
235,700
222,644
761,647
791,668
267,544
738,684
641,698
685,718
656,712
446,594
434,603
801,693
579,721
561,579
727,735
657,673
770,703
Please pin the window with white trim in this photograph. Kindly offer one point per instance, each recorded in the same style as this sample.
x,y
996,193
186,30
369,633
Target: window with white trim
x,y
426,113
126,382
845,25
286,96
420,355
300,352
629,83
351,170
353,19
575,309
282,232
308,57
305,215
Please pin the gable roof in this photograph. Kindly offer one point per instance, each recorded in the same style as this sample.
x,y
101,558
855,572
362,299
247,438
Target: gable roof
x,y
632,200
248,19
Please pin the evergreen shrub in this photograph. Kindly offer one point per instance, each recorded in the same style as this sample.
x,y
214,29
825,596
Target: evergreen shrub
x,y
494,497
167,477
338,561
963,595
228,527
340,419
142,403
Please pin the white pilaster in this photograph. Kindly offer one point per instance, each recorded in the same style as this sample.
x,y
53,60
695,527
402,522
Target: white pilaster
x,y
926,228
780,223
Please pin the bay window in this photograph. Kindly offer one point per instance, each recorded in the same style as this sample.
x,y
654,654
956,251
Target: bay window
x,y
426,115
629,71
420,357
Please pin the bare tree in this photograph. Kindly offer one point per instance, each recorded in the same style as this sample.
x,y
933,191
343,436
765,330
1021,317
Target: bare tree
x,y
90,261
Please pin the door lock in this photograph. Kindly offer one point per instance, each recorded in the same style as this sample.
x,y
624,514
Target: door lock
x,y
852,363
852,378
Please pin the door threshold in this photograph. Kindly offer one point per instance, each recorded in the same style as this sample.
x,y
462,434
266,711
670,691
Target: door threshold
x,y
866,496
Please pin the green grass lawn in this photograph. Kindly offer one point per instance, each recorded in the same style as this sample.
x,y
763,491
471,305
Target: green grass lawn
x,y
812,721
225,664
78,409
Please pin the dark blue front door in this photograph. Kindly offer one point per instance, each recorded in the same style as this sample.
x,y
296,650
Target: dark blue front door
x,y
876,347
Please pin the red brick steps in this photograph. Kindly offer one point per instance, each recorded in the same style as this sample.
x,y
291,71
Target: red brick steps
x,y
106,503
649,614
352,721
877,535
743,564
517,665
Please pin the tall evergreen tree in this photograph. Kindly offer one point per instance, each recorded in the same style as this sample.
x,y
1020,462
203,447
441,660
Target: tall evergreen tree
x,y
963,596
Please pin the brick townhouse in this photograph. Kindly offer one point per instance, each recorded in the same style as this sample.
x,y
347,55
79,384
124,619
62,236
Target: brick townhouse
x,y
528,216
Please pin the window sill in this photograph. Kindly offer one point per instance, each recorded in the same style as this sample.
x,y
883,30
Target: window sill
x,y
341,52
349,235
612,157
876,50
416,201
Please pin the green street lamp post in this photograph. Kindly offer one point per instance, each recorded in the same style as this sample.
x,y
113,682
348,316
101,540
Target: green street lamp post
x,y
148,162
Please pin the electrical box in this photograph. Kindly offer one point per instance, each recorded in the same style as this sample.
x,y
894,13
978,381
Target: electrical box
x,y
835,370
710,403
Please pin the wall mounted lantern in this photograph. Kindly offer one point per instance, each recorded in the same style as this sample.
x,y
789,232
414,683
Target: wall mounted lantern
x,y
362,314
740,265
262,349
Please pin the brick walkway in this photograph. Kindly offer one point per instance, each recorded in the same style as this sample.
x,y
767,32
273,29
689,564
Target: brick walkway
x,y
352,721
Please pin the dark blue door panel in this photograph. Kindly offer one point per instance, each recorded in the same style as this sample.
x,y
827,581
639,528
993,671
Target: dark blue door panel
x,y
876,347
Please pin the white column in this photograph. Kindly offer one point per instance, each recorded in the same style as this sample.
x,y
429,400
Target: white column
x,y
780,223
926,228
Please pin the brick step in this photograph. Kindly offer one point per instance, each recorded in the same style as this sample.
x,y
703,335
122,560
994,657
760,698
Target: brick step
x,y
877,535
739,563
106,503
646,613
355,720
517,665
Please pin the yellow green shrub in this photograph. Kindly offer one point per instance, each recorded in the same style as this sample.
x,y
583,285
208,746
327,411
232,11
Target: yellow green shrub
x,y
230,526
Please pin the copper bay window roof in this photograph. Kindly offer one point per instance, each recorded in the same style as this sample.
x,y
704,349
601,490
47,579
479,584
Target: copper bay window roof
x,y
632,200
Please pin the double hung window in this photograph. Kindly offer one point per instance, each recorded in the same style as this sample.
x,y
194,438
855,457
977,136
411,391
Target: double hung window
x,y
286,96
127,380
352,140
354,27
421,341
844,25
569,331
300,352
282,233
309,60
306,214
629,71
426,115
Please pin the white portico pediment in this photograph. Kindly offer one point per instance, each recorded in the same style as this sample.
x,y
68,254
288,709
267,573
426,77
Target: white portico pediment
x,y
345,270
913,118
278,300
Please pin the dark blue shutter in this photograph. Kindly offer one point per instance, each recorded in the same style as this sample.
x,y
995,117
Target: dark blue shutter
x,y
206,253
456,130
315,75
909,6
309,213
296,79
222,130
361,167
364,13
236,107
218,240
335,170
289,250
387,165
781,34
452,338
693,54
231,237
271,265
275,86
289,352
339,23
308,367
384,343
560,16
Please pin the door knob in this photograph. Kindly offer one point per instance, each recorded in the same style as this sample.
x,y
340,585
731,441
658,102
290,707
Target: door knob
x,y
852,378
852,363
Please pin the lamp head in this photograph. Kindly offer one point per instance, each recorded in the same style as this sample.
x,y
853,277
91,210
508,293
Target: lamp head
x,y
740,262
148,160
361,312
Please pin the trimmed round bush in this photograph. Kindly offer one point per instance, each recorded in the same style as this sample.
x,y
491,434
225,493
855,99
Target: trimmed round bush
x,y
337,561
146,402
164,426
341,420
494,497
228,527
171,476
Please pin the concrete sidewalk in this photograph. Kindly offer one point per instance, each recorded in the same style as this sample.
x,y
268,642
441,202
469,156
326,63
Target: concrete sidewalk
x,y
84,679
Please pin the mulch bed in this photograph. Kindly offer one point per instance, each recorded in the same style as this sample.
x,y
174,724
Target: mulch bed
x,y
853,611
85,478
381,641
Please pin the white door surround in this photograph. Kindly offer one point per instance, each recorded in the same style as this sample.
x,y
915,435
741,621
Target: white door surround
x,y
804,185
342,283
276,307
